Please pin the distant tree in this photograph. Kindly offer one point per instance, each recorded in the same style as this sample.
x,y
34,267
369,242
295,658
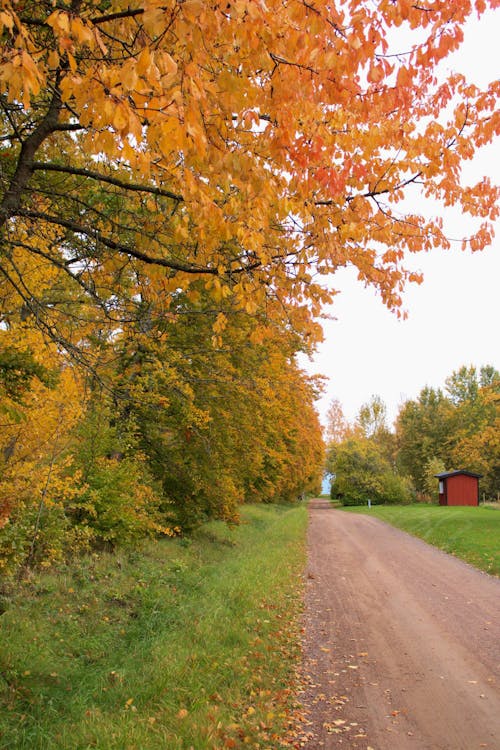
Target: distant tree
x,y
476,444
372,417
337,425
423,430
457,429
371,422
463,385
489,375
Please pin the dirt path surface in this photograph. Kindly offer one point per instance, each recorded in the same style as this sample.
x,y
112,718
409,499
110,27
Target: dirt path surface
x,y
402,642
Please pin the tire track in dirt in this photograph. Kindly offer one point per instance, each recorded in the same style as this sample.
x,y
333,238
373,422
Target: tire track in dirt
x,y
402,641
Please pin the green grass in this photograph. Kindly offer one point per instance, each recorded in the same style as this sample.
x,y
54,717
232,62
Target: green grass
x,y
473,534
181,644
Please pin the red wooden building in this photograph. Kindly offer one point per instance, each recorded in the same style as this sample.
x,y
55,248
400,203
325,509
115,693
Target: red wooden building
x,y
458,488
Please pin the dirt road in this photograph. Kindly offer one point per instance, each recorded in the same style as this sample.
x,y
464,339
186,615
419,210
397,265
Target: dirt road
x,y
402,642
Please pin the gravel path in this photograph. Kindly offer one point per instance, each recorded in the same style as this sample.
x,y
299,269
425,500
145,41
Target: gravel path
x,y
402,642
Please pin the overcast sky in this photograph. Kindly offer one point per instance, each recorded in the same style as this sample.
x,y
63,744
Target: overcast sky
x,y
453,316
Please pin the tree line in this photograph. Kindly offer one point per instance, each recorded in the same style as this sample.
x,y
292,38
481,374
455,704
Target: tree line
x,y
171,431
457,427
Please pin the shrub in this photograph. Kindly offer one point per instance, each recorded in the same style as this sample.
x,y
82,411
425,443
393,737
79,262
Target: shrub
x,y
363,473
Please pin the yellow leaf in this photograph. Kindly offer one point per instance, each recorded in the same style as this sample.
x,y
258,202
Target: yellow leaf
x,y
192,9
7,20
120,118
71,60
170,64
143,62
53,60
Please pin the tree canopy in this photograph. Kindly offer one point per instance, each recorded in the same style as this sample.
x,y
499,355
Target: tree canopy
x,y
255,145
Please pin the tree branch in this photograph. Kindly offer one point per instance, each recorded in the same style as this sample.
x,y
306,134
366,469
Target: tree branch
x,y
129,13
108,179
119,247
12,198
373,193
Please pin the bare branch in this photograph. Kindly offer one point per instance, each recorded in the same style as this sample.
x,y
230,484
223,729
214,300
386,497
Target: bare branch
x,y
373,193
129,13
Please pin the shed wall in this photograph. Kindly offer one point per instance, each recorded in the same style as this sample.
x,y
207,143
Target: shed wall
x,y
462,490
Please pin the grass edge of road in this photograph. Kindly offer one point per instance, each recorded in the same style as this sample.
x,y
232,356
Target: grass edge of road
x,y
469,533
182,643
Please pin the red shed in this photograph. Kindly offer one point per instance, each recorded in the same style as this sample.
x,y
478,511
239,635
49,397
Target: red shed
x,y
458,488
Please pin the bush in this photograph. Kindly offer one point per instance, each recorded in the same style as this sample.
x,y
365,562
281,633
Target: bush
x,y
397,490
363,473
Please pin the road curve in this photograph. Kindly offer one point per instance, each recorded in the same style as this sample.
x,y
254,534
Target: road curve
x,y
401,644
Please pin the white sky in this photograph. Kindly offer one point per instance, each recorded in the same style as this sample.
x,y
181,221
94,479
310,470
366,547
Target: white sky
x,y
453,316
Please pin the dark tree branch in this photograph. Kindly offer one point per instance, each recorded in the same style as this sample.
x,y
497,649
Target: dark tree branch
x,y
108,179
98,236
12,198
129,13
69,126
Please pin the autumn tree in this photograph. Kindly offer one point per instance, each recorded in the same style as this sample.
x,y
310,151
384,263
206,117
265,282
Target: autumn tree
x,y
39,406
222,422
456,431
191,429
475,394
337,425
255,145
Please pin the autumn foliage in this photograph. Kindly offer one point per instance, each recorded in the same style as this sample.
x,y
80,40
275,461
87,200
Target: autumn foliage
x,y
441,430
457,426
177,181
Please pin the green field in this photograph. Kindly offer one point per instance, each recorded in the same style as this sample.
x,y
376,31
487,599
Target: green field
x,y
473,534
181,644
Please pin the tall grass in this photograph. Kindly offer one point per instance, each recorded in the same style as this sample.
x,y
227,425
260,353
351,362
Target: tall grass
x,y
471,533
181,644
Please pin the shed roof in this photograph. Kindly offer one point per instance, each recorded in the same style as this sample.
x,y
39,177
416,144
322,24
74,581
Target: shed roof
x,y
446,474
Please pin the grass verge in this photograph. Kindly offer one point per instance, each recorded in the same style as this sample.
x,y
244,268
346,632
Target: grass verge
x,y
473,534
177,645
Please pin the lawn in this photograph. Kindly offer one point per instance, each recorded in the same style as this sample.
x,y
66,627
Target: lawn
x,y
179,644
473,534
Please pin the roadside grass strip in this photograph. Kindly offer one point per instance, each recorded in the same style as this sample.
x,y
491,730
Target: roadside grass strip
x,y
470,533
179,644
